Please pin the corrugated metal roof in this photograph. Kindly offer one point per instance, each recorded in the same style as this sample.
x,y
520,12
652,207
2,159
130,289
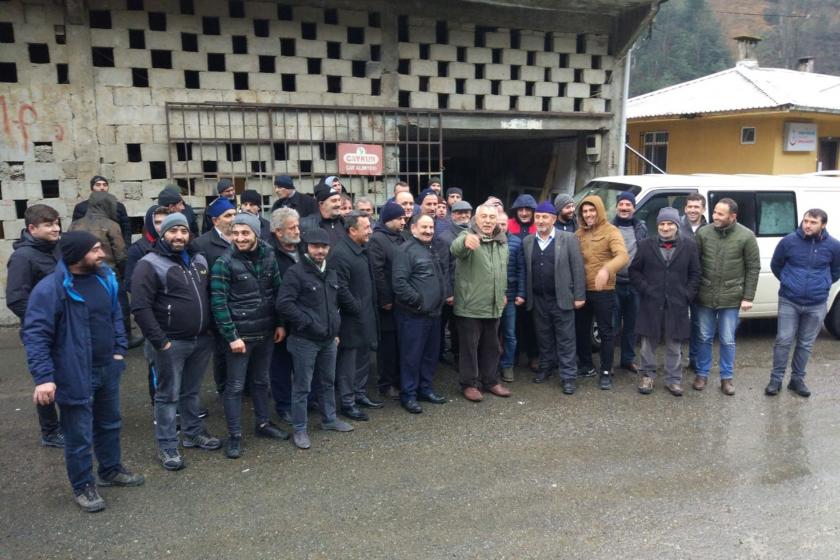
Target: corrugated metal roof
x,y
742,88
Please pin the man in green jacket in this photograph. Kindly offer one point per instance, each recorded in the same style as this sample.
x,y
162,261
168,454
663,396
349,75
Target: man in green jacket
x,y
729,263
481,255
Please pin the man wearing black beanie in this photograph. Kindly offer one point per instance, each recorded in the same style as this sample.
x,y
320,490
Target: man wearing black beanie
x,y
98,183
75,345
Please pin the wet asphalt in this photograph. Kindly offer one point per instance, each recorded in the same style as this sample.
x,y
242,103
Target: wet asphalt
x,y
539,475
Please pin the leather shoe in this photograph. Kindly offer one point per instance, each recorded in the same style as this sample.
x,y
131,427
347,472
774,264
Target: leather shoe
x,y
473,394
353,413
366,402
646,385
542,376
797,385
675,389
699,382
431,397
773,388
631,367
727,387
269,430
569,387
391,392
412,406
499,390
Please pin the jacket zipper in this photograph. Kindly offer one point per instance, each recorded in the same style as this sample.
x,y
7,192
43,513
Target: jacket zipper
x,y
191,281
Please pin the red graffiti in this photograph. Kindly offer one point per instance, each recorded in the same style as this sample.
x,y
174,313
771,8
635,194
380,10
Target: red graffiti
x,y
24,124
59,132
24,132
7,126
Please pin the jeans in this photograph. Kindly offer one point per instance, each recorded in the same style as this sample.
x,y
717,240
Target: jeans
x,y
179,373
599,305
507,330
801,323
626,309
725,321
555,330
312,358
694,341
48,418
351,374
419,338
253,365
479,357
95,424
220,352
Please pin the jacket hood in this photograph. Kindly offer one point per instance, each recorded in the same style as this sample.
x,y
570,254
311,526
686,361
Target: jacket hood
x,y
601,212
26,240
524,201
149,224
104,204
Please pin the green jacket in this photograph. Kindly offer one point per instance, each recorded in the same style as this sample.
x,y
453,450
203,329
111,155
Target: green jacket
x,y
729,265
480,275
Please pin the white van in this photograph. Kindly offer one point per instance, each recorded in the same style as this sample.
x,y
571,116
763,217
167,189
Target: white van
x,y
770,205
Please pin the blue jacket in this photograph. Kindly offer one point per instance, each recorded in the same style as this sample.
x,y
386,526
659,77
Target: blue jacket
x,y
57,336
806,267
515,268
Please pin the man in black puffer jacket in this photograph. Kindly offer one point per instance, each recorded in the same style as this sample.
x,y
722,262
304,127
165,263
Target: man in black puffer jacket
x,y
242,289
308,301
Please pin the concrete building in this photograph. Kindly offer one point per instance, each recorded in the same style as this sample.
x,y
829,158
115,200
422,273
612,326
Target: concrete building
x,y
745,119
495,97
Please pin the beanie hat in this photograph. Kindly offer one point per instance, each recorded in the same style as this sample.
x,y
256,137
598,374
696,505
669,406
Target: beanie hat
x,y
251,196
624,195
316,236
74,245
668,214
423,194
562,200
462,206
330,180
284,181
546,207
323,192
96,178
246,219
172,220
169,196
391,211
223,185
434,180
219,207
454,190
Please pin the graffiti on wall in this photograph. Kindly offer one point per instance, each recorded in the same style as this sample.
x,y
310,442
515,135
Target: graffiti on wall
x,y
19,120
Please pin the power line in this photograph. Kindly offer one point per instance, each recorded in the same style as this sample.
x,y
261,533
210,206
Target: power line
x,y
758,14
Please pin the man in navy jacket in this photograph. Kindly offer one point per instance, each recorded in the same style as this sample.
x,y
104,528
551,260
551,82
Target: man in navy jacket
x,y
75,344
807,263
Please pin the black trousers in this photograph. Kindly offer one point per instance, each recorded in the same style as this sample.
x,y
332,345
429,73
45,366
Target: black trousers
x,y
599,305
525,337
478,359
388,360
555,329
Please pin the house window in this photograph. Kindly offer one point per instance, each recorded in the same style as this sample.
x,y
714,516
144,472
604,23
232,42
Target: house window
x,y
748,135
655,146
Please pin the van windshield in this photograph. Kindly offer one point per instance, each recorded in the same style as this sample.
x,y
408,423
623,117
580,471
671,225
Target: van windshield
x,y
607,190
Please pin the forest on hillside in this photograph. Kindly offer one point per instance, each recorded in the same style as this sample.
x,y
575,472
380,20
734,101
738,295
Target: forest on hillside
x,y
691,38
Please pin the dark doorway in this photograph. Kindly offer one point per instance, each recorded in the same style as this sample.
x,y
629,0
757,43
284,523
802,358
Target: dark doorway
x,y
828,155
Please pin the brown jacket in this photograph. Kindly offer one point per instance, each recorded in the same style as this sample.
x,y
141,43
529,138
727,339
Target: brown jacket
x,y
601,245
100,220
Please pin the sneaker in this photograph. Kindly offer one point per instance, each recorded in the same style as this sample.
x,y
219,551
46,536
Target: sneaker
x,y
646,385
507,374
89,499
797,385
122,477
301,440
605,381
171,459
202,441
285,417
337,426
586,372
233,448
55,439
203,412
269,430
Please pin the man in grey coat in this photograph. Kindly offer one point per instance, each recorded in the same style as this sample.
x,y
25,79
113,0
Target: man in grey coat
x,y
556,286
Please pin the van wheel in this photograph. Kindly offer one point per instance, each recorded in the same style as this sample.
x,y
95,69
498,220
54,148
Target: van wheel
x,y
595,337
832,320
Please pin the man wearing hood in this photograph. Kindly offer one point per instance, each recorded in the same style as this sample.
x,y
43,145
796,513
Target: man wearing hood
x,y
481,255
604,254
101,221
34,257
98,183
565,205
289,197
522,222
386,239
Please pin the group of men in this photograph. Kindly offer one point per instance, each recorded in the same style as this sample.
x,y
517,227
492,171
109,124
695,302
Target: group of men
x,y
289,310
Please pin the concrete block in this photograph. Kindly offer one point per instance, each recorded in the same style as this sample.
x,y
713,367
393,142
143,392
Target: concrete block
x,y
577,90
580,61
355,85
164,40
367,101
462,102
564,42
442,85
268,82
462,37
547,59
512,87
424,67
496,102
308,13
14,190
263,45
593,105
408,83
528,104
242,63
546,89
336,33
423,100
596,44
479,55
163,78
12,228
305,98
134,171
532,74
314,84
422,34
334,67
291,65
514,57
594,76
155,152
311,49
562,105
477,87
531,40
461,70
189,60
185,23
112,76
497,72
355,18
7,210
607,62
408,50
215,44
443,52
562,75
286,29
216,80
355,52
373,36
497,40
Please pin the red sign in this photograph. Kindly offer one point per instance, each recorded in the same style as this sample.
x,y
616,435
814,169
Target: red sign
x,y
360,159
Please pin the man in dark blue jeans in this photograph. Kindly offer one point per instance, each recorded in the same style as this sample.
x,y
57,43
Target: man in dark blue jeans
x,y
75,344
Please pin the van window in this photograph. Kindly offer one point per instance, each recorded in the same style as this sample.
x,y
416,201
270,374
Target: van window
x,y
767,214
649,209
